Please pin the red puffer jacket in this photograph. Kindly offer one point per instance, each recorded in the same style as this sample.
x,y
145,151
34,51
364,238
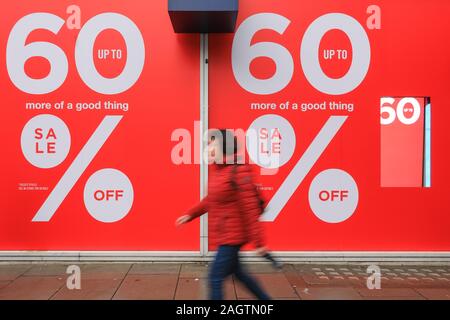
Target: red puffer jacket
x,y
233,206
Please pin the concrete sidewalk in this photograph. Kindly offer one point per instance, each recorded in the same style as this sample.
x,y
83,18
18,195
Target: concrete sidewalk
x,y
188,281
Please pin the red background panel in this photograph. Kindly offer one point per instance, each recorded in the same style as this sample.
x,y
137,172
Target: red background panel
x,y
409,57
165,97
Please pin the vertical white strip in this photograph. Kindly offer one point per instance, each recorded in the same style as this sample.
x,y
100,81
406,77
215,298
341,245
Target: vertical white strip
x,y
427,166
203,130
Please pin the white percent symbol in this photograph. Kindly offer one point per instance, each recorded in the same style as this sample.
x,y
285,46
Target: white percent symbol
x,y
108,193
304,166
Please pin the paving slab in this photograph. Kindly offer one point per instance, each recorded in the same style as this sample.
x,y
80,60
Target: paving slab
x,y
32,288
9,272
147,287
434,294
328,280
54,269
194,270
260,268
276,285
4,283
329,293
295,279
389,292
111,271
197,289
155,268
91,289
394,298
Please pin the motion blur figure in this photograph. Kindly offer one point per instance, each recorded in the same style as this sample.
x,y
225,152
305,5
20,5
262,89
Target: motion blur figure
x,y
234,208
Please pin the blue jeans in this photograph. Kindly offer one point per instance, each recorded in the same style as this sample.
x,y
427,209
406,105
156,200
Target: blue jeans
x,y
226,263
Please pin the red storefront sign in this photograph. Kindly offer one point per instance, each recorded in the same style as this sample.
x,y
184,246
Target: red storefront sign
x,y
316,72
90,106
95,174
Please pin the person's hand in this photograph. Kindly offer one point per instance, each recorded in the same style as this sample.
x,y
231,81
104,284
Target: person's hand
x,y
261,251
182,220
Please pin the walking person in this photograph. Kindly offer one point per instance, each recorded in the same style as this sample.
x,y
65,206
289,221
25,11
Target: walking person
x,y
234,208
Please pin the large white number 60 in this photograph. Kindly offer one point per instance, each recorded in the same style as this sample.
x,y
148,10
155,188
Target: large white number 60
x,y
387,108
17,53
243,53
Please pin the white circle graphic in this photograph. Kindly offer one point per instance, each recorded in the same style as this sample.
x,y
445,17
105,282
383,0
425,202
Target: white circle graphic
x,y
108,195
333,195
270,141
45,141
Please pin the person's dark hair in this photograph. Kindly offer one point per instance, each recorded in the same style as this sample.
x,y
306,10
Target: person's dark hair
x,y
227,139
